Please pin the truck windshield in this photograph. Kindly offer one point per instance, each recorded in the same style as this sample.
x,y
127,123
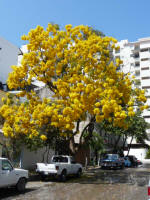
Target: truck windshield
x,y
60,159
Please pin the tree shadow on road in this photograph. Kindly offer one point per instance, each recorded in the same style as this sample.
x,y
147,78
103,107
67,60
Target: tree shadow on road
x,y
12,192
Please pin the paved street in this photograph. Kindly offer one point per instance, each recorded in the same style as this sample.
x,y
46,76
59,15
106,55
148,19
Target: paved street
x,y
95,184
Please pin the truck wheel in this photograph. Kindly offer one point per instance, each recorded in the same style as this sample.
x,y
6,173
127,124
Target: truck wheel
x,y
63,176
79,172
21,185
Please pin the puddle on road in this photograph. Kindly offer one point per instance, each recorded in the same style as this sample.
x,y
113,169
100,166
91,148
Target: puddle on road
x,y
114,177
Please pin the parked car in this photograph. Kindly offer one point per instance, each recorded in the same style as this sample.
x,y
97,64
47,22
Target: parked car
x,y
60,167
133,160
127,162
10,176
112,161
139,162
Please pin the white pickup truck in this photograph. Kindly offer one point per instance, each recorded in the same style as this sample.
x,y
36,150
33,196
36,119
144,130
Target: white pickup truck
x,y
10,176
60,167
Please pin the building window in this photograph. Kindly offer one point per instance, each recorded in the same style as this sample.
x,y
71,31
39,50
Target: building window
x,y
118,68
144,59
117,57
148,116
117,51
137,73
146,87
136,47
144,78
137,82
5,87
137,64
143,50
136,55
145,68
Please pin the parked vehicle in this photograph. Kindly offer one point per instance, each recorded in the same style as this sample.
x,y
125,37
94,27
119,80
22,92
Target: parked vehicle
x,y
112,161
127,162
133,160
60,167
10,176
139,162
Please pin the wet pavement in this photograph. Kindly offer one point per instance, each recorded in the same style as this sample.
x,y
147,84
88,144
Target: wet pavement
x,y
95,184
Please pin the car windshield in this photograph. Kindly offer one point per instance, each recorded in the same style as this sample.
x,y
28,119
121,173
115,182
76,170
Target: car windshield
x,y
132,158
111,156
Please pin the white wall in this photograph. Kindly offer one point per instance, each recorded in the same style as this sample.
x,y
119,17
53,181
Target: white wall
x,y
144,63
145,73
145,54
138,153
0,151
30,158
8,57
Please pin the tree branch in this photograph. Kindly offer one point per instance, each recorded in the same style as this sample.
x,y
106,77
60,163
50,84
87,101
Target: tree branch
x,y
77,127
84,131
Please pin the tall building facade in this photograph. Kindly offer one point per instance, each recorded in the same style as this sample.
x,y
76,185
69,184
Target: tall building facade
x,y
136,60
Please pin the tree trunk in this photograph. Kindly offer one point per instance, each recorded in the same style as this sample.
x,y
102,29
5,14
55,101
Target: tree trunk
x,y
96,157
116,143
43,156
72,146
130,146
124,142
48,154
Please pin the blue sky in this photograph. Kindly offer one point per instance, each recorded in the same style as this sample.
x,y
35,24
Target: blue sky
x,y
122,19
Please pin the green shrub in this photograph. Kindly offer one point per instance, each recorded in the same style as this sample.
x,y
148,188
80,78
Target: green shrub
x,y
147,154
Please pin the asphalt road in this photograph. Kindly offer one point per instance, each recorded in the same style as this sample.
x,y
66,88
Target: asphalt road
x,y
95,184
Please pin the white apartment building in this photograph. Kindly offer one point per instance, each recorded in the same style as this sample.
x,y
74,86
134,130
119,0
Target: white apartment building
x,y
8,57
136,60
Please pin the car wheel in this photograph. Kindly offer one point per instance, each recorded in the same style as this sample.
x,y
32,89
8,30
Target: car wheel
x,y
79,172
43,178
122,166
21,185
63,176
136,164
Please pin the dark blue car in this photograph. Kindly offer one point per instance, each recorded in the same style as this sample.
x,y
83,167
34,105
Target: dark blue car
x,y
112,161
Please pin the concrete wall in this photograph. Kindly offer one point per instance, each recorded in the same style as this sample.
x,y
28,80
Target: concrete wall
x,y
1,142
0,151
30,158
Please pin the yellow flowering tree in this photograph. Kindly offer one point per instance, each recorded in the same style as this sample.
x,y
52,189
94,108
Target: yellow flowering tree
x,y
76,66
